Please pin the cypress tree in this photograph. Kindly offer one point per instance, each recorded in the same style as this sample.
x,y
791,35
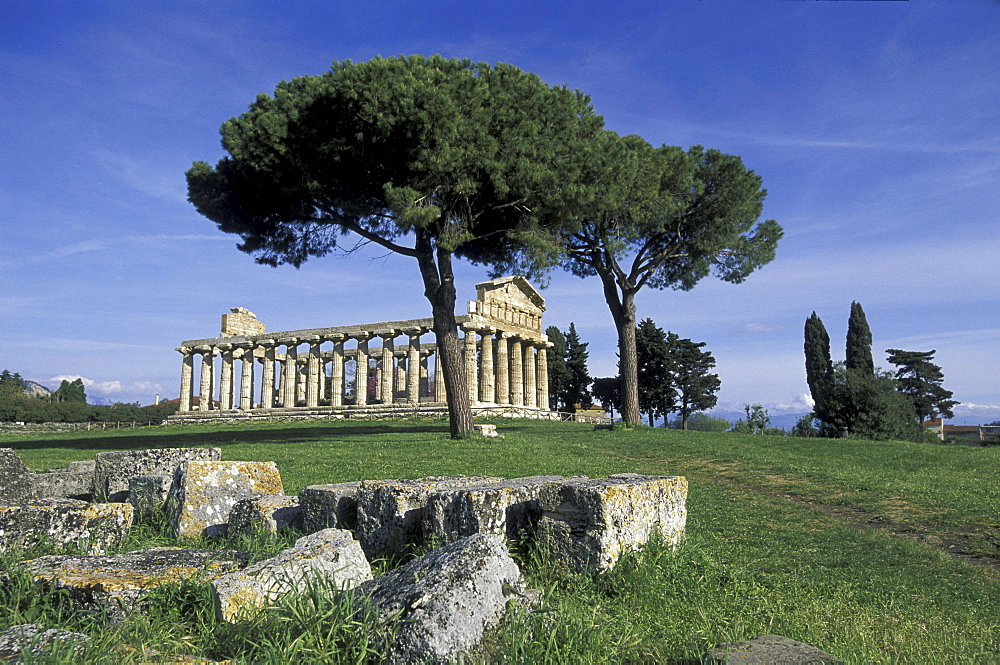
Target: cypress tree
x,y
559,374
577,388
859,342
819,366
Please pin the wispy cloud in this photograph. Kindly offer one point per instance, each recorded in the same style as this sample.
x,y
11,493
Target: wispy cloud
x,y
111,390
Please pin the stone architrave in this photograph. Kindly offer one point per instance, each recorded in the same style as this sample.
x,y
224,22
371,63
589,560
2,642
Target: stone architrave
x,y
442,604
329,506
94,527
331,555
337,371
114,469
265,513
503,369
116,583
391,512
591,523
15,479
205,493
313,373
506,508
187,378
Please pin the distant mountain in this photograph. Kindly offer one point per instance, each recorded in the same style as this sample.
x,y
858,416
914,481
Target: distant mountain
x,y
32,389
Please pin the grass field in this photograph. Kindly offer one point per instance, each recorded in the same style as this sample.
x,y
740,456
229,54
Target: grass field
x,y
873,551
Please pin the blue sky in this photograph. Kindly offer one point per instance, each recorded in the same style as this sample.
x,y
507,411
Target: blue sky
x,y
875,127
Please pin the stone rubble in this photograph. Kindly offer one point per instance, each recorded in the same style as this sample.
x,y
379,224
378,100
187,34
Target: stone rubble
x,y
267,513
331,554
15,479
148,494
38,643
95,527
442,603
329,506
769,649
114,469
205,492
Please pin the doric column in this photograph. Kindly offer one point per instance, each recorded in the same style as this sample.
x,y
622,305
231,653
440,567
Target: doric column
x,y
288,387
503,369
267,375
187,378
543,376
413,366
487,376
516,373
301,379
246,376
361,372
337,371
440,393
205,391
313,373
226,382
388,370
423,388
530,378
470,364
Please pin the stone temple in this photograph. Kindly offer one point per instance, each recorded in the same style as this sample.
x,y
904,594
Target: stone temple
x,y
371,368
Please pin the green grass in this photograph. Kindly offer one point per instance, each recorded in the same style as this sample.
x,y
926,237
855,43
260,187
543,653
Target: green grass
x,y
812,539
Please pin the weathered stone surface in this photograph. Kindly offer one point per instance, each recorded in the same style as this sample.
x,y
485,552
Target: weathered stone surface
x,y
329,506
591,523
768,649
34,641
502,507
117,583
70,484
443,602
148,494
487,430
15,479
332,554
92,526
269,513
391,512
206,492
114,469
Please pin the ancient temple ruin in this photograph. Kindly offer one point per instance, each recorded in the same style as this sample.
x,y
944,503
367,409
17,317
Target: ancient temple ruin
x,y
372,367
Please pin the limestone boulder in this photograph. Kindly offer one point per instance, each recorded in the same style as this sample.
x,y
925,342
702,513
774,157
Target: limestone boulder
x,y
206,491
506,508
95,527
76,482
591,523
114,469
329,506
15,479
331,554
148,494
769,649
391,512
117,583
266,513
31,642
442,603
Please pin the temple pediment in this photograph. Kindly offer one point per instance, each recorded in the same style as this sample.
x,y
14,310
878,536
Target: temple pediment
x,y
509,301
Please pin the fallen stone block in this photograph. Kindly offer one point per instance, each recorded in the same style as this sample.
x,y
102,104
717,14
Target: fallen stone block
x,y
117,583
64,484
267,513
39,644
94,527
443,602
769,649
591,523
15,479
502,507
487,430
332,555
114,469
148,494
391,512
329,506
205,493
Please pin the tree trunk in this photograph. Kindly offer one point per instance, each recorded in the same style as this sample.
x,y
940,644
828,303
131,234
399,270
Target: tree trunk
x,y
439,288
628,367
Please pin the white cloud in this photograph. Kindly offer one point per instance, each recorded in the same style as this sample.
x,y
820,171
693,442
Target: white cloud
x,y
112,391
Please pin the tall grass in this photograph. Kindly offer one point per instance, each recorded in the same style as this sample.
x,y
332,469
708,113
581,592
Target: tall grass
x,y
755,562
